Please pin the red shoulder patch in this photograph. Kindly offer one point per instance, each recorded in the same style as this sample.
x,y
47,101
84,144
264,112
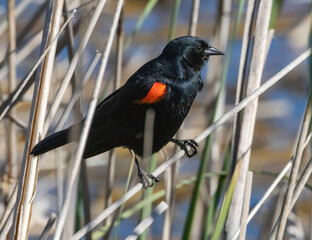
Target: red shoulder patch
x,y
156,93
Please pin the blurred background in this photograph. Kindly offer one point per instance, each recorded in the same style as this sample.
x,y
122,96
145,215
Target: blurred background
x,y
145,33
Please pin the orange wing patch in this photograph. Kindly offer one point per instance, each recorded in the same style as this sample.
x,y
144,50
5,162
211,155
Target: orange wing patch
x,y
156,93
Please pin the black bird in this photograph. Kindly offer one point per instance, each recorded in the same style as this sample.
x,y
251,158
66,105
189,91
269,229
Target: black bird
x,y
167,84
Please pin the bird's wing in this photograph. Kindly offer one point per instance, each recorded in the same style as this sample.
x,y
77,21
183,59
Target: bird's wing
x,y
139,89
109,109
155,93
109,98
114,114
145,87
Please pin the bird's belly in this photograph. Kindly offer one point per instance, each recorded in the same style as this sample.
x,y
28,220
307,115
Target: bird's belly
x,y
168,118
166,125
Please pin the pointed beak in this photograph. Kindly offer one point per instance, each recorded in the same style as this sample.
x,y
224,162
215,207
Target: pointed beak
x,y
213,51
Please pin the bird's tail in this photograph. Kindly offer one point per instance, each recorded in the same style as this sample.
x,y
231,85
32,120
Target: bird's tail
x,y
53,141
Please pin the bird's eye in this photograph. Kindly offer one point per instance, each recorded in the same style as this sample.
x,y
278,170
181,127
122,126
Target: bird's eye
x,y
199,48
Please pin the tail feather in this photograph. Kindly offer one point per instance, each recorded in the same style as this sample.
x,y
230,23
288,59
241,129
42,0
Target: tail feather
x,y
53,141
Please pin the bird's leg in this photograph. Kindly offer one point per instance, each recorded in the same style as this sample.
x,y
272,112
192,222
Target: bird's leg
x,y
147,180
187,145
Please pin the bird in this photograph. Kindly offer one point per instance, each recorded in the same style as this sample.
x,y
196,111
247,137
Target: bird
x,y
167,84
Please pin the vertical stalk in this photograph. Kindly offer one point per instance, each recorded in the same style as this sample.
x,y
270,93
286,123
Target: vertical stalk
x,y
13,196
147,154
171,173
248,120
75,161
247,194
11,143
286,208
82,45
27,82
112,157
147,209
241,79
216,72
28,176
194,18
83,177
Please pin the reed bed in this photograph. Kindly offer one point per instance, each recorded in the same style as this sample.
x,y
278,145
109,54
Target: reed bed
x,y
60,60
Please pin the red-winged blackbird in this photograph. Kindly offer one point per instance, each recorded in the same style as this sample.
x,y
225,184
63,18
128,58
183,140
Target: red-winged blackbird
x,y
167,84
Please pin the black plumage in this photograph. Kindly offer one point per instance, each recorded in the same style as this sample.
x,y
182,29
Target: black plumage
x,y
168,84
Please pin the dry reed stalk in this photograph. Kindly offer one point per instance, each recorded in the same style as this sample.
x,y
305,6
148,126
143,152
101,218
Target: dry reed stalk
x,y
272,187
170,181
301,183
69,225
117,82
34,20
216,71
194,18
249,116
28,176
310,222
18,10
170,200
27,183
297,191
75,161
82,45
11,165
29,48
287,167
274,211
264,87
142,226
45,233
25,84
70,43
266,195
120,49
6,227
61,122
77,92
247,195
83,177
152,163
86,198
21,35
59,180
241,75
7,217
19,122
9,208
279,228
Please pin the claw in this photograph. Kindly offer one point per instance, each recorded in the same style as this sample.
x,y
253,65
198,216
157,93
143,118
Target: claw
x,y
147,180
188,146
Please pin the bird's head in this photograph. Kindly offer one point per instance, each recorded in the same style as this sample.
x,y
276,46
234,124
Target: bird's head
x,y
192,50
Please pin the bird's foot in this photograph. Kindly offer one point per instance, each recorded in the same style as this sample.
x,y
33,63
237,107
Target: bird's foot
x,y
147,180
189,146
